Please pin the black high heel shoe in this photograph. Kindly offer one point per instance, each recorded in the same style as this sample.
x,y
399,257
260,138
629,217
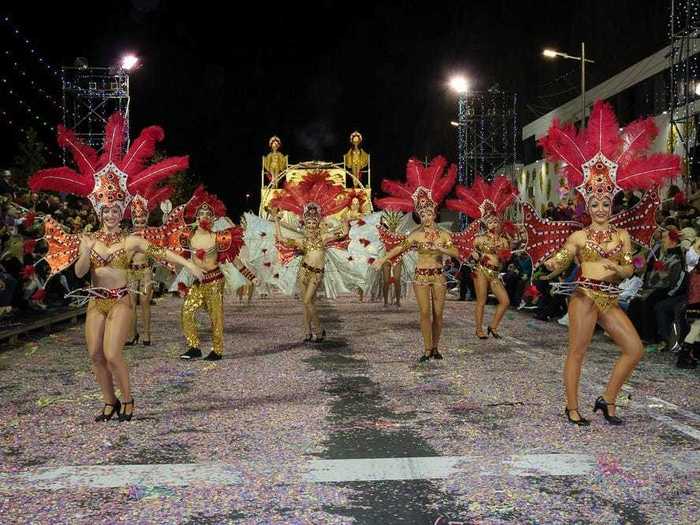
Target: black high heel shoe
x,y
133,341
146,342
602,404
580,422
308,338
319,338
480,334
435,354
425,357
492,333
106,417
123,416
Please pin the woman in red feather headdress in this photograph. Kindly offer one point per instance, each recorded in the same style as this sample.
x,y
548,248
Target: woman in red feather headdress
x,y
600,161
487,202
141,270
425,188
313,200
109,181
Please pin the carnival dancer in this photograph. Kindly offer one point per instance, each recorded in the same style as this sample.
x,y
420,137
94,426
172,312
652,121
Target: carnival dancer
x,y
141,280
109,181
601,161
396,276
425,188
314,257
213,243
487,202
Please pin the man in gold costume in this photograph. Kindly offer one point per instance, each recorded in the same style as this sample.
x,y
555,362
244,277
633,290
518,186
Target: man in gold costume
x,y
274,162
356,159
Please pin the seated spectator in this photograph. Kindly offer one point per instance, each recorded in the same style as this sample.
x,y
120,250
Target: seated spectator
x,y
663,280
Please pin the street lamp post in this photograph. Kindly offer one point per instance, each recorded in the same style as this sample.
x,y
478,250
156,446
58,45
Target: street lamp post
x,y
550,53
460,86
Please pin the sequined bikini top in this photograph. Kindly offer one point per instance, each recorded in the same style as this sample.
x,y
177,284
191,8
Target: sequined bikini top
x,y
491,245
593,252
423,249
118,259
310,244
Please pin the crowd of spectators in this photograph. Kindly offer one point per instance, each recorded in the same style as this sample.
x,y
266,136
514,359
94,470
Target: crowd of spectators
x,y
23,275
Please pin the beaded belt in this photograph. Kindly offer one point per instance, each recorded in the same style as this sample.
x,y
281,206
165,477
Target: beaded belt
x,y
110,293
599,286
311,268
428,271
213,275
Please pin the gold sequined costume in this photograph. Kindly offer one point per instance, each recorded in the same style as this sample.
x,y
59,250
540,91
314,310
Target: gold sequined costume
x,y
209,295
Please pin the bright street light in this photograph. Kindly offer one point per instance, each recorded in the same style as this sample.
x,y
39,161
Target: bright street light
x,y
551,53
129,62
459,84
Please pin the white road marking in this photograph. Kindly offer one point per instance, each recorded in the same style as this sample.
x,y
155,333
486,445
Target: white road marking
x,y
322,471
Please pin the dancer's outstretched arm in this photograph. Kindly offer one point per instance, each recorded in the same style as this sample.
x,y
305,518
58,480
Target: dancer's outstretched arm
x,y
561,260
139,244
397,250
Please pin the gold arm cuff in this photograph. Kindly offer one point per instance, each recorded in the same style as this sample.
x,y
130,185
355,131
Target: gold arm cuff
x,y
563,258
155,252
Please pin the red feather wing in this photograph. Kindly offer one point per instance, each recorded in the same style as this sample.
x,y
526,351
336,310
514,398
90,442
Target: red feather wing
x,y
640,219
545,237
390,240
464,240
229,243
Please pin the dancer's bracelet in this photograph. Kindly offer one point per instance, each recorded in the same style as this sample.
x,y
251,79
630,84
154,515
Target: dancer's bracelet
x,y
247,274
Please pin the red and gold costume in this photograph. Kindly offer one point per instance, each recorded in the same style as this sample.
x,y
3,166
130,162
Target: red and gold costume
x,y
110,180
601,161
208,293
483,201
316,256
425,188
486,202
423,191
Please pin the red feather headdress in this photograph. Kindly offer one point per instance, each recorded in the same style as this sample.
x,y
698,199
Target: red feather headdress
x,y
601,160
425,186
113,177
483,198
202,198
316,191
143,204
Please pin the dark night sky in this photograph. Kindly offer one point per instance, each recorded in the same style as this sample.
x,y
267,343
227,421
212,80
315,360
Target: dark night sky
x,y
311,72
